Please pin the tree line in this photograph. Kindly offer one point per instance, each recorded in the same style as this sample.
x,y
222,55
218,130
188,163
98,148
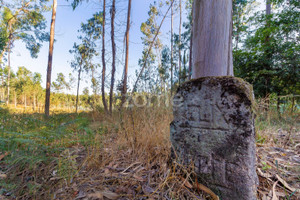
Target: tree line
x,y
265,45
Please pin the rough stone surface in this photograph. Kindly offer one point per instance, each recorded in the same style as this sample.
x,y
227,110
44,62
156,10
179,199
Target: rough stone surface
x,y
213,129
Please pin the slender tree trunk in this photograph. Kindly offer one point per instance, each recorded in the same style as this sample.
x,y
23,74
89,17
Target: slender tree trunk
x,y
184,65
9,64
2,88
293,104
25,101
50,57
34,102
124,90
1,57
9,70
278,106
15,98
78,84
237,38
172,13
113,44
212,50
191,48
150,49
268,7
103,59
179,46
268,53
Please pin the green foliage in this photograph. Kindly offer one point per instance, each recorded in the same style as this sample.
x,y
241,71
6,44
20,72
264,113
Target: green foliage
x,y
22,20
60,83
149,28
269,57
32,142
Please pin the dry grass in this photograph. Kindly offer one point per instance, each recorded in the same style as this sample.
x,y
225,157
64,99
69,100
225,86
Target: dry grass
x,y
130,159
133,161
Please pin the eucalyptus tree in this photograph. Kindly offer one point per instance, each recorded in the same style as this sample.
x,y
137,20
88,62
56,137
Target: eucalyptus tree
x,y
86,51
124,84
212,50
179,44
60,83
103,57
36,88
150,30
269,57
113,44
172,52
22,20
83,54
75,3
24,83
50,58
241,19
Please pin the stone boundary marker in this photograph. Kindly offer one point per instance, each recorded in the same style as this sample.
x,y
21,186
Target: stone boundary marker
x,y
213,129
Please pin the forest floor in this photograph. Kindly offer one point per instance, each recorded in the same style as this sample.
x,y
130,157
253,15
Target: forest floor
x,y
126,156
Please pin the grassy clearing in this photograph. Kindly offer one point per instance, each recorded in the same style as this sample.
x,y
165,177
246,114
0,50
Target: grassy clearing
x,y
34,148
126,156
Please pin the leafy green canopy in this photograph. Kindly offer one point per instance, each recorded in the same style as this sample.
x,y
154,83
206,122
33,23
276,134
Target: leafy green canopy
x,y
23,20
270,53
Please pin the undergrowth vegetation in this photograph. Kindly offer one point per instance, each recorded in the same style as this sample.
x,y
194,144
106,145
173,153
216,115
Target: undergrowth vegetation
x,y
126,155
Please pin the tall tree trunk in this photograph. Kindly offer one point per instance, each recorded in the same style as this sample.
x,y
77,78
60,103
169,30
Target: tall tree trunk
x,y
9,70
50,57
268,53
78,84
179,46
191,48
124,90
34,102
268,7
9,64
103,59
184,65
212,50
113,44
15,98
172,13
237,38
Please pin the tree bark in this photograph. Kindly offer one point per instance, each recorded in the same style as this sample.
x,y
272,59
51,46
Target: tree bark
x,y
172,13
78,84
15,98
179,45
113,44
10,37
191,48
212,42
50,58
9,70
34,101
268,51
124,90
103,59
268,7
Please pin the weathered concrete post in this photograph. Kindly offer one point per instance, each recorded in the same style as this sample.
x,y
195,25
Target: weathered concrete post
x,y
213,126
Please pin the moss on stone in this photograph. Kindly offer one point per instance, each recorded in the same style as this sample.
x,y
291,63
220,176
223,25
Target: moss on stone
x,y
230,84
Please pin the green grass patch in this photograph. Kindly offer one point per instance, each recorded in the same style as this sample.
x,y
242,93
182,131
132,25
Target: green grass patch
x,y
37,146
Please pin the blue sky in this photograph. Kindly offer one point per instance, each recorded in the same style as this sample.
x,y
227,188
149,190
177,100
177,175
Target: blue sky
x,y
67,24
